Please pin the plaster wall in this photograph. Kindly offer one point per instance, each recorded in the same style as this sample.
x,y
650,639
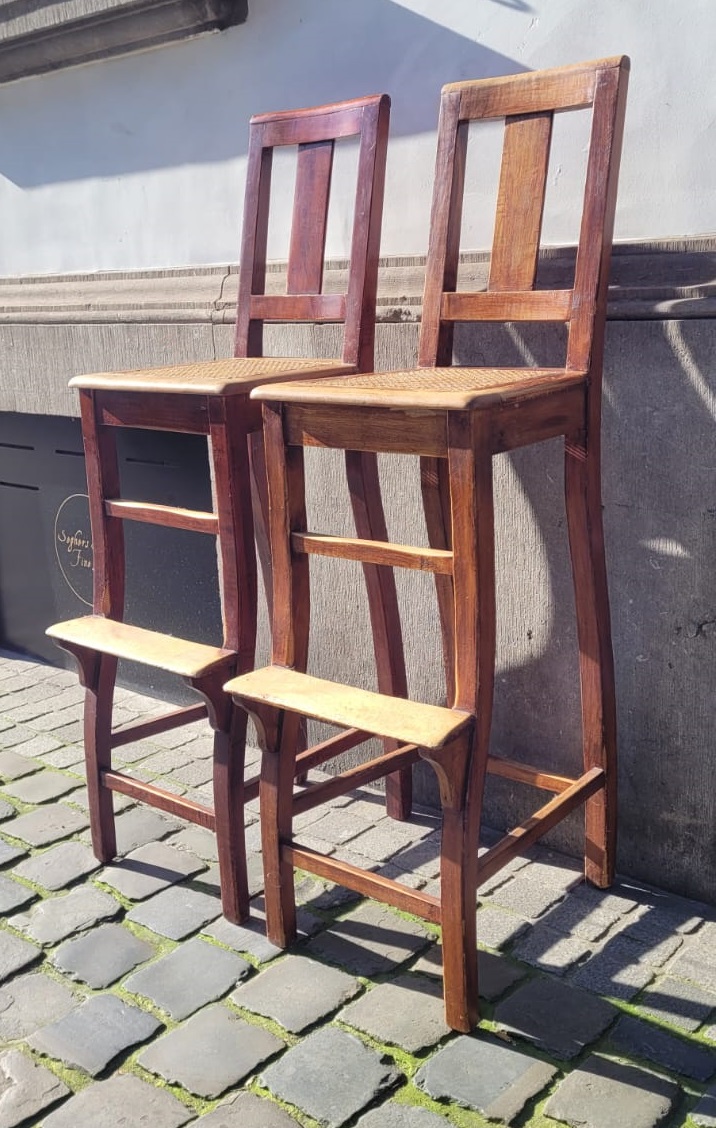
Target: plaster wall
x,y
138,162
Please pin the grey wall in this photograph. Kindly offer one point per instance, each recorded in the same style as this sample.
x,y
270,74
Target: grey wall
x,y
660,512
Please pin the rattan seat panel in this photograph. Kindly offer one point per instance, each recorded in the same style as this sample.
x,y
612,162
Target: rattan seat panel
x,y
122,640
233,375
411,722
429,388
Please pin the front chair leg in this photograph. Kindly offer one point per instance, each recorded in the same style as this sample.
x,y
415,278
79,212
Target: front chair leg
x,y
458,882
229,725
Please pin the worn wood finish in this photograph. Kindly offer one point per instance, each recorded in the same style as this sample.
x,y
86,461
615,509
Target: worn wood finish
x,y
363,881
169,516
404,756
456,420
211,398
163,722
160,798
373,552
543,820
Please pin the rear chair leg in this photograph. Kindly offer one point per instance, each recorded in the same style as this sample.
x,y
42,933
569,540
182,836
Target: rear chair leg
x,y
369,518
596,662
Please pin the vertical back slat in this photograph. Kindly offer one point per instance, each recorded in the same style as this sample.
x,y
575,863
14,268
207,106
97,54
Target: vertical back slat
x,y
520,202
595,236
359,334
310,213
445,220
254,239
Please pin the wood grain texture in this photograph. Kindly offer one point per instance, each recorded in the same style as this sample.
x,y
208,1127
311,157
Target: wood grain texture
x,y
168,516
136,644
456,420
373,552
410,722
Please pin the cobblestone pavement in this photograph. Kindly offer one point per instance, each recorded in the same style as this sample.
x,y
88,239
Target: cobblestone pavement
x,y
126,998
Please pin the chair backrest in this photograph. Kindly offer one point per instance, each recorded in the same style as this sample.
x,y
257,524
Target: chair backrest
x,y
314,133
528,103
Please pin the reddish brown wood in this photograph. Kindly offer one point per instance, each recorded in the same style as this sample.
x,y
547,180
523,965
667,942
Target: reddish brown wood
x,y
520,202
310,212
403,756
168,516
373,885
198,399
160,798
456,433
133,732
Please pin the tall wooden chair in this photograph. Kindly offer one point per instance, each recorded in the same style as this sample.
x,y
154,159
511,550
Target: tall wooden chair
x,y
212,399
456,419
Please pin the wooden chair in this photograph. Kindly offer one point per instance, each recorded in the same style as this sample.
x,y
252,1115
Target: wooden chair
x,y
212,399
456,419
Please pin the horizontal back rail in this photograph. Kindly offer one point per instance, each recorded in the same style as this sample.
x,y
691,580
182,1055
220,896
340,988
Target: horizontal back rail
x,y
169,516
373,552
565,88
507,305
298,307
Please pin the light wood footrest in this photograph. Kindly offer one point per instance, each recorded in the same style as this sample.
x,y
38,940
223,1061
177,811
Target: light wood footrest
x,y
151,648
410,722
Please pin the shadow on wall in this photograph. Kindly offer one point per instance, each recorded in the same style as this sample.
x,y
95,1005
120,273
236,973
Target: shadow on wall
x,y
189,103
660,520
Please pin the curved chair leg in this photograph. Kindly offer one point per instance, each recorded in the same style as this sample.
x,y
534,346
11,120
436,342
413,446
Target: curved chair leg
x,y
98,753
364,487
596,663
436,506
458,880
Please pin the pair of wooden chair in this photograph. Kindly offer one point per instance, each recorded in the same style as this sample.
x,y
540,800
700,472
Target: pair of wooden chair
x,y
455,419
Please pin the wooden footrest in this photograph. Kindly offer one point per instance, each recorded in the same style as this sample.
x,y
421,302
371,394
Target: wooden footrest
x,y
411,722
151,648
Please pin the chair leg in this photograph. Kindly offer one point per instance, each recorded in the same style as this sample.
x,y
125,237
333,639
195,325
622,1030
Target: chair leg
x,y
276,799
98,755
364,487
458,881
229,749
596,663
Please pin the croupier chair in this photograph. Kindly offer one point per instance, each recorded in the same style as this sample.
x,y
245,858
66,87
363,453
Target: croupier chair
x,y
212,399
456,419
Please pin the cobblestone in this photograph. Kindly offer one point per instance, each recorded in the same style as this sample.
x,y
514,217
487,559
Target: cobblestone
x,y
176,912
53,920
96,1032
149,869
32,1001
555,1017
536,913
140,1104
608,1094
102,956
486,1075
41,787
193,975
212,1051
43,827
407,1012
330,1076
371,941
296,992
26,1089
59,866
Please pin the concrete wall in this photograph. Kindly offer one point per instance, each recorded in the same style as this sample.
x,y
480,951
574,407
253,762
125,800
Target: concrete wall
x,y
136,165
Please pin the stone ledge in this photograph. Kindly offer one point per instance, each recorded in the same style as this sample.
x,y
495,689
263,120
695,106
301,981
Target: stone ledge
x,y
36,38
649,280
